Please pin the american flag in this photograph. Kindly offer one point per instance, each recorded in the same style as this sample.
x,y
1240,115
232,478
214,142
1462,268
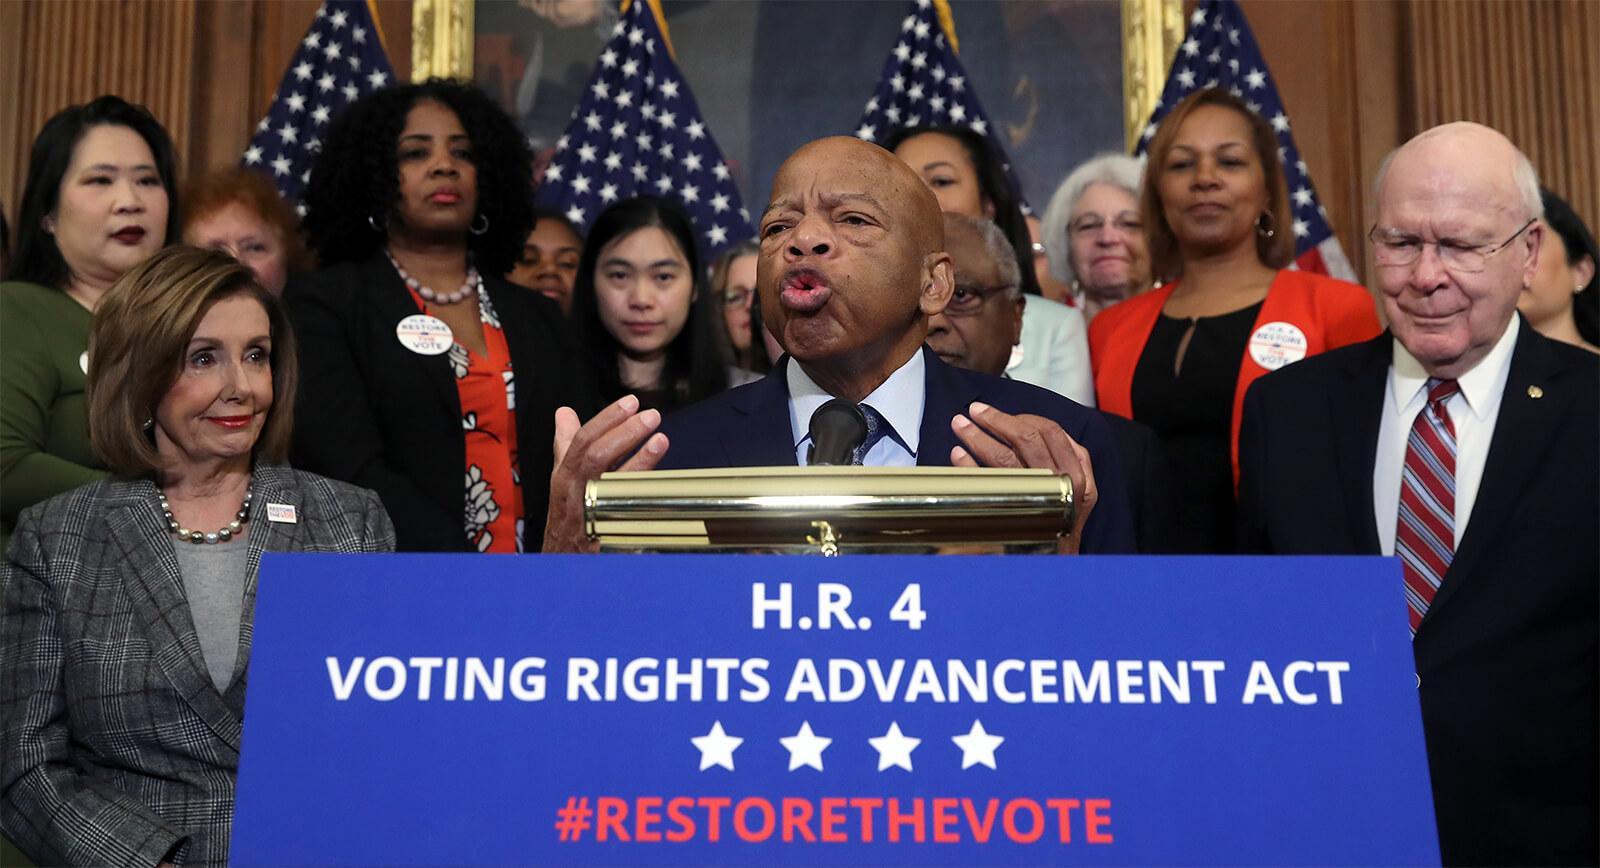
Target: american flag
x,y
924,84
340,59
638,132
1220,51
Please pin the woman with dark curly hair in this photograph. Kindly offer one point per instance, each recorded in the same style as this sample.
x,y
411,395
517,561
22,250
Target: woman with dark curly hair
x,y
422,366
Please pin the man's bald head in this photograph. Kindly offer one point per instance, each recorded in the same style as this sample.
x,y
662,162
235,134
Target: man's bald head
x,y
885,176
1456,242
852,263
1464,143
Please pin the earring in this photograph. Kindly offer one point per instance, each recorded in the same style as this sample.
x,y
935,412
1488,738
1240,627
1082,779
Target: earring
x,y
149,422
474,227
374,224
1264,225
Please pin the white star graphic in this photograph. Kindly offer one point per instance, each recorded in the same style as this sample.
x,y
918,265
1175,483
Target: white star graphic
x,y
919,60
630,69
625,98
645,141
648,109
1280,122
957,83
716,747
717,235
303,71
608,58
608,193
359,35
1215,57
938,73
914,121
586,153
915,93
894,748
979,127
640,173
719,203
325,83
902,52
355,63
1301,228
665,150
1198,18
1302,197
288,133
263,126
958,113
893,114
561,144
280,166
592,121
691,162
1186,78
805,748
721,171
1233,36
332,51
667,120
339,19
314,145
1191,47
977,746
378,78
906,24
350,92
575,214
601,90
552,172
898,82
635,36
613,162
696,130
872,105
867,133
669,89
921,29
936,103
1233,65
619,130
252,155
1256,79
313,40
664,185
1149,132
580,184
690,193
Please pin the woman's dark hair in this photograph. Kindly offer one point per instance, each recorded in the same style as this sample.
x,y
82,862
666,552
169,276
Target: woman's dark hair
x,y
994,185
355,182
695,368
1579,242
38,259
543,214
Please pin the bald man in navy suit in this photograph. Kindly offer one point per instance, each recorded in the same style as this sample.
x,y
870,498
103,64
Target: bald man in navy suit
x,y
852,265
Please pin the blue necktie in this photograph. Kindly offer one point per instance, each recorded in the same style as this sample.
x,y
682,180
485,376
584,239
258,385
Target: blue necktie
x,y
877,429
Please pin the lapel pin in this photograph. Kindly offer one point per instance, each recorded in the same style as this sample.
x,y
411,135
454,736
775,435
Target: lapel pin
x,y
283,513
1535,392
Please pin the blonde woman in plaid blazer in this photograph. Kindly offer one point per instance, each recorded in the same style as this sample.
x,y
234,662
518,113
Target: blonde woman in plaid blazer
x,y
122,680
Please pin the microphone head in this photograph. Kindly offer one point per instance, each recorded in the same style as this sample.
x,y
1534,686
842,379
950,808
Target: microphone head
x,y
838,428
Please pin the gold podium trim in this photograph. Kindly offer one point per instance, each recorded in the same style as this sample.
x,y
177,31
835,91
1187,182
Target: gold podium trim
x,y
830,510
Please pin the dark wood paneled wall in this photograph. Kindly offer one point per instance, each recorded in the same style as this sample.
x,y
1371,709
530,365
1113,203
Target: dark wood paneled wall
x,y
206,68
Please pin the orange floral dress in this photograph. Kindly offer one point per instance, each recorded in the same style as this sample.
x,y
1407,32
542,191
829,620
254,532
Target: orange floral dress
x,y
487,387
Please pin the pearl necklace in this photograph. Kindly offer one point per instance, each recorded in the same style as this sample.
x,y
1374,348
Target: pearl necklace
x,y
196,537
415,285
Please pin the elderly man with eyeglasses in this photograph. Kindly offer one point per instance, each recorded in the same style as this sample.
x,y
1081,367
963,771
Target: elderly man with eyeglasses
x,y
1465,444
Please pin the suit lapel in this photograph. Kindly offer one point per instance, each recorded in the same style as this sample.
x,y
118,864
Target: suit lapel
x,y
393,303
944,395
155,585
1514,456
767,439
1356,406
272,487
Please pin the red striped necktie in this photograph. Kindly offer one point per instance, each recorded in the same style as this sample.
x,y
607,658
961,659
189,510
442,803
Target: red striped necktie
x,y
1426,530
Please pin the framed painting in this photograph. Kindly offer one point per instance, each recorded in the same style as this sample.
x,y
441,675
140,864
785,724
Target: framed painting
x,y
1065,79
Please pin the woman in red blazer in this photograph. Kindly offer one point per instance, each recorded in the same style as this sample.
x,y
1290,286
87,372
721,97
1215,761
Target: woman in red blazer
x,y
1179,358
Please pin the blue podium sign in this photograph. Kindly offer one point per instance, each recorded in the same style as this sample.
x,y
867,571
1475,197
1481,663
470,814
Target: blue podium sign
x,y
692,709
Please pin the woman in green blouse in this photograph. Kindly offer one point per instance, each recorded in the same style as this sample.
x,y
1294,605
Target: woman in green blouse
x,y
98,201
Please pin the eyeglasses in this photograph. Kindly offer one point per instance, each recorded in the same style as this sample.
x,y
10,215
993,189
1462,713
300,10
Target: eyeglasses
x,y
1392,248
737,298
1091,224
969,300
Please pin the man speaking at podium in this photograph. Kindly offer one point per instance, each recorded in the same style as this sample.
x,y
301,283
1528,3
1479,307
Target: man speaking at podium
x,y
852,266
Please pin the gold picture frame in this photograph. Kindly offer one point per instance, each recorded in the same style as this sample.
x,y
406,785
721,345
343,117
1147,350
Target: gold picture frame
x,y
442,33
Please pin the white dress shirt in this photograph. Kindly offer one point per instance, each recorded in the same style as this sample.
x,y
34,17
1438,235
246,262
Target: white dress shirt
x,y
1473,412
899,401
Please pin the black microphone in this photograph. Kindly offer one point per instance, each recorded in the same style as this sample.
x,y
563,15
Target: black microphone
x,y
838,428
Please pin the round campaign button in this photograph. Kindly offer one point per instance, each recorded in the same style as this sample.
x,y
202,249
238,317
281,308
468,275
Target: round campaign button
x,y
1016,356
424,335
83,362
1277,344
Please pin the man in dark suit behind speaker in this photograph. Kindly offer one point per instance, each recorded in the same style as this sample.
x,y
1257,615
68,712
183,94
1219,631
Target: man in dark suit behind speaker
x,y
852,264
1466,444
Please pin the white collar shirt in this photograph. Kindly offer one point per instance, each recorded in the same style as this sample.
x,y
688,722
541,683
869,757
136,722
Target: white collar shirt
x,y
1473,412
899,400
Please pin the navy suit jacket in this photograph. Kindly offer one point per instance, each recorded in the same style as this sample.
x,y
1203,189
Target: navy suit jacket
x,y
749,427
1506,654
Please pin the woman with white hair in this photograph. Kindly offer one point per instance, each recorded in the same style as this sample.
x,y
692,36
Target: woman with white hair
x,y
1092,234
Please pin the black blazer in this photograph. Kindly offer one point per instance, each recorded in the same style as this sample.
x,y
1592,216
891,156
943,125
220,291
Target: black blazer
x,y
1506,654
375,414
1144,466
749,427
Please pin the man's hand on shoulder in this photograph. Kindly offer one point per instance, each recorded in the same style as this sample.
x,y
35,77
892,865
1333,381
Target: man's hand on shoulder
x,y
992,438
583,452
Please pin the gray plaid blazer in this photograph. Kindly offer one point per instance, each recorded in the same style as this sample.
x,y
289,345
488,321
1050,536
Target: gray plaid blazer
x,y
115,746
